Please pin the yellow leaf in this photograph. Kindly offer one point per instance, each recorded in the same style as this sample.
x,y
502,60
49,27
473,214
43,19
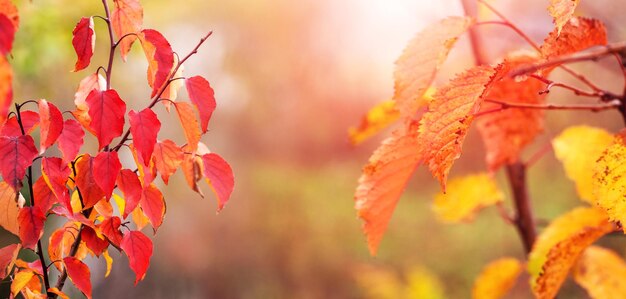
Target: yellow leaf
x,y
497,278
59,293
601,272
20,280
109,261
578,148
465,196
609,182
377,119
381,283
139,218
562,11
421,59
559,245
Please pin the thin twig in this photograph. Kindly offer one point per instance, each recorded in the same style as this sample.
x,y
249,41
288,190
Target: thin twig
x,y
538,155
615,104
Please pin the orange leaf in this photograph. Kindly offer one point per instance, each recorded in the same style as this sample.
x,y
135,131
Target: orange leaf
x,y
84,42
417,66
20,280
126,17
377,119
8,254
562,11
160,58
192,169
138,248
167,157
86,182
383,181
79,273
31,221
139,218
497,278
58,293
444,126
219,176
578,34
190,125
89,83
8,209
51,124
16,154
505,133
153,205
61,241
6,88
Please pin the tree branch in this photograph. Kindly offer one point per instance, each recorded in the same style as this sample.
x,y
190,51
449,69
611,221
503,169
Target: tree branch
x,y
615,104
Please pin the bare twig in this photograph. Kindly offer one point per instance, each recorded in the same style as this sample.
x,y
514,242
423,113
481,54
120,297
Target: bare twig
x,y
615,104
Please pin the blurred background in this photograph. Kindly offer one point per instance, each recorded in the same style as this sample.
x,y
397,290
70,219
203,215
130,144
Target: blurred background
x,y
290,78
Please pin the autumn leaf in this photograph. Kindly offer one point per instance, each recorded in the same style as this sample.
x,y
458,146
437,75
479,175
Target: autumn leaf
x,y
559,245
505,133
44,195
104,208
609,183
144,127
11,128
497,278
8,254
6,88
167,158
8,8
109,262
377,119
86,182
421,59
153,205
383,181
562,11
60,244
7,34
202,96
138,248
139,218
192,170
84,42
126,19
577,34
601,272
190,125
79,274
58,293
171,91
219,176
444,126
160,58
466,195
20,280
110,228
96,244
16,154
129,184
55,174
51,122
579,148
146,169
106,167
70,140
106,110
8,209
31,221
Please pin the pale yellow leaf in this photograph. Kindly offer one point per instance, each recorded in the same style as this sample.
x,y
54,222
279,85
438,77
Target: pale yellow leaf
x,y
609,181
601,272
562,11
465,196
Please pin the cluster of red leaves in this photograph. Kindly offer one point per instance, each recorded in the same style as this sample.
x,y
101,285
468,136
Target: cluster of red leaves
x,y
78,186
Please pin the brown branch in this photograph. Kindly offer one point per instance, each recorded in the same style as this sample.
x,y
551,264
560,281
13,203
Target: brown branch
x,y
112,43
615,104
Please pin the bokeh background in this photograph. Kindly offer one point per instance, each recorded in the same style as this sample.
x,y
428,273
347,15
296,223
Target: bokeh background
x,y
290,78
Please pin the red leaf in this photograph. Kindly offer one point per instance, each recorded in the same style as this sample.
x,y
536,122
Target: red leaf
x,y
190,124
106,110
84,42
51,124
8,8
9,209
153,205
160,58
167,157
31,221
16,154
93,242
130,185
110,228
70,140
44,197
55,173
86,182
86,85
220,177
30,120
7,34
138,248
383,181
201,94
79,274
144,126
106,167
126,17
8,254
6,88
